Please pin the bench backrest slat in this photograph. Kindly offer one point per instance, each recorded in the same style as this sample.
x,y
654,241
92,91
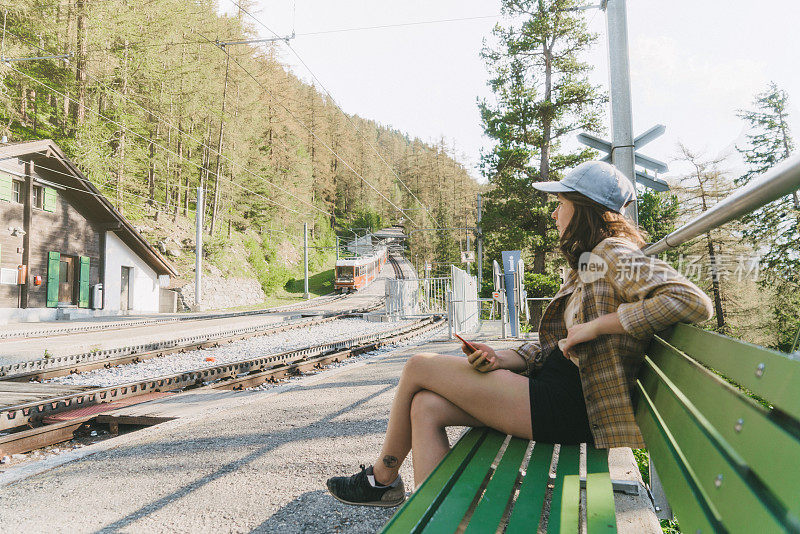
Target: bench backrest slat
x,y
425,501
726,462
720,471
455,505
680,483
767,447
532,491
769,374
600,512
499,490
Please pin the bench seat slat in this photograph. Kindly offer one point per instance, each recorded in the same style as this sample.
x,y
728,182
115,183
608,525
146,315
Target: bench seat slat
x,y
458,500
600,512
767,447
413,515
564,508
776,382
686,498
741,502
489,511
530,500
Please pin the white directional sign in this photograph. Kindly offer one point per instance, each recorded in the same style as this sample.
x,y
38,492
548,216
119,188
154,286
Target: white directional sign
x,y
647,162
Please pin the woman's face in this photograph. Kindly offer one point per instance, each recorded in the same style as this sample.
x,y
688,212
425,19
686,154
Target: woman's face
x,y
563,213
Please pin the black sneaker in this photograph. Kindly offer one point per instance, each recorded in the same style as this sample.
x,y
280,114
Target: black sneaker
x,y
357,489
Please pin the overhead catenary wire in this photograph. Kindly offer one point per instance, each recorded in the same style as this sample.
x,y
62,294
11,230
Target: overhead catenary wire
x,y
349,119
161,119
305,34
314,134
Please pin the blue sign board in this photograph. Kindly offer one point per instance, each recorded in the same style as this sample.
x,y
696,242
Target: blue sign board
x,y
510,261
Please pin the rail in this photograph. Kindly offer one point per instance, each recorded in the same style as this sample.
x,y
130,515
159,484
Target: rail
x,y
775,183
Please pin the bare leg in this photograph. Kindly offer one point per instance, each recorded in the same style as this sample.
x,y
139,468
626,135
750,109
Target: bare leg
x,y
498,399
431,414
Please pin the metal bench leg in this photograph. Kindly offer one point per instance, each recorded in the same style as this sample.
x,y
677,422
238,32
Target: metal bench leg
x,y
663,510
629,487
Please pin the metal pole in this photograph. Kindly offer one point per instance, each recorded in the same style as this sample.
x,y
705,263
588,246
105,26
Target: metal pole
x,y
622,148
450,315
337,248
198,252
468,269
305,260
503,312
480,242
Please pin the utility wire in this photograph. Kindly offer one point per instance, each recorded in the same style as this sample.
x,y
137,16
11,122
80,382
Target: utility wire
x,y
201,143
97,195
124,192
288,44
218,177
307,34
314,134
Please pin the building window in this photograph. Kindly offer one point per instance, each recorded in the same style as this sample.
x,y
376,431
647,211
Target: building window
x,y
38,196
16,191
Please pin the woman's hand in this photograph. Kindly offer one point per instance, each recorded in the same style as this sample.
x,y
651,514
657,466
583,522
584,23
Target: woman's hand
x,y
581,333
484,359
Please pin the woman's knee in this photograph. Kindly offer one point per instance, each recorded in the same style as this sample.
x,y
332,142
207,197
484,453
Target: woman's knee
x,y
427,406
418,362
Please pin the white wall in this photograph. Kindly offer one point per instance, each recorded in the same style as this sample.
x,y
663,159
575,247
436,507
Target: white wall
x,y
144,287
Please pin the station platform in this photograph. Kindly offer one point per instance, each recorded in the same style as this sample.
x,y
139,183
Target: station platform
x,y
118,333
256,462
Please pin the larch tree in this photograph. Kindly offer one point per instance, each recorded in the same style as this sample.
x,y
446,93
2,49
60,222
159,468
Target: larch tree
x,y
775,228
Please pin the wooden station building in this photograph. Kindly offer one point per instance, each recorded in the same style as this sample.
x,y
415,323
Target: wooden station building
x,y
64,248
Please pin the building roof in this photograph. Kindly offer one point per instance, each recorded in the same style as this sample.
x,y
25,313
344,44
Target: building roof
x,y
52,165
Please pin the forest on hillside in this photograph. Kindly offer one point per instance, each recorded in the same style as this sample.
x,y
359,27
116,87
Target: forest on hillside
x,y
151,105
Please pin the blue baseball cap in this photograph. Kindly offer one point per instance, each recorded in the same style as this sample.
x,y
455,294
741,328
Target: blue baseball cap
x,y
602,182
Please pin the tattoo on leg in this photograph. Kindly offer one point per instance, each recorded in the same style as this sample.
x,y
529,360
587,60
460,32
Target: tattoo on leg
x,y
390,461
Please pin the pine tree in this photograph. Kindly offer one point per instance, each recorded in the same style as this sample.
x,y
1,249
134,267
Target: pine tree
x,y
541,94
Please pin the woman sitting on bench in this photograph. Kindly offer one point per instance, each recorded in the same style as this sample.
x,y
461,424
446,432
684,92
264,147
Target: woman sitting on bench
x,y
592,338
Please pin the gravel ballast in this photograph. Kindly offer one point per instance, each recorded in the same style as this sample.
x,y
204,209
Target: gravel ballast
x,y
339,330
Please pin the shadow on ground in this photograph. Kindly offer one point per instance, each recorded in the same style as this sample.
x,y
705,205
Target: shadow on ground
x,y
328,517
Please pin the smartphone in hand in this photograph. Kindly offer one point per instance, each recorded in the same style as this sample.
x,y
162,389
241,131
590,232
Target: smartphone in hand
x,y
469,345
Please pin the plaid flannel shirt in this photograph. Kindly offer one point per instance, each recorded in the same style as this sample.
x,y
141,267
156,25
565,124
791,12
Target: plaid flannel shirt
x,y
648,296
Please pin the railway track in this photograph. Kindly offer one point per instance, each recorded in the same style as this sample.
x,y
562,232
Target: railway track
x,y
234,375
46,331
45,368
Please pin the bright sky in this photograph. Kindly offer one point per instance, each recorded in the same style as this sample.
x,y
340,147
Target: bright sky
x,y
693,64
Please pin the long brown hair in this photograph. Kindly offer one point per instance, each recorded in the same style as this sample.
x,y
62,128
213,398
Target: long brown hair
x,y
591,223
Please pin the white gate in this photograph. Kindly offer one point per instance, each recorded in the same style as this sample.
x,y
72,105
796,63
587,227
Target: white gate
x,y
465,301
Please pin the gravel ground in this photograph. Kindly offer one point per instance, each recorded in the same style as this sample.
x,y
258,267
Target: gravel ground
x,y
338,330
258,465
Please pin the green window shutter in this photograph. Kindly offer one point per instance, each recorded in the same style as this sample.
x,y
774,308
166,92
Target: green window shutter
x,y
50,199
83,293
53,269
5,186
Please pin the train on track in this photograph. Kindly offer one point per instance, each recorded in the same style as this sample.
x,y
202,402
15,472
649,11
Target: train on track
x,y
353,274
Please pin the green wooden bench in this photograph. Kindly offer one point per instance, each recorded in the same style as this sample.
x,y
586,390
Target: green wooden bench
x,y
726,463
475,483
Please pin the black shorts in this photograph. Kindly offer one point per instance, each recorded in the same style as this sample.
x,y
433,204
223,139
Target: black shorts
x,y
558,410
